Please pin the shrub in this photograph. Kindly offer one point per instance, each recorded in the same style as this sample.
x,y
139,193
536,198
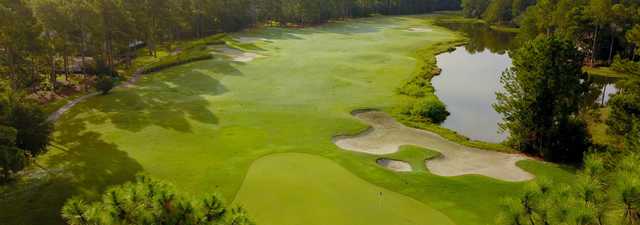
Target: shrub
x,y
104,84
12,159
625,66
32,127
182,58
431,109
101,68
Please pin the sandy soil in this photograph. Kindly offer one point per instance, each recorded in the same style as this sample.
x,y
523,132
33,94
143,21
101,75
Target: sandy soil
x,y
419,30
235,54
249,39
395,165
386,136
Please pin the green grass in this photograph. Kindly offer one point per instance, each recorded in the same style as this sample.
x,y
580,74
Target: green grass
x,y
604,71
57,104
452,135
414,155
598,128
505,28
558,173
202,125
316,191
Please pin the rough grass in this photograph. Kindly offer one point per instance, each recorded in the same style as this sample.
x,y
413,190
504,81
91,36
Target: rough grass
x,y
505,28
414,155
597,127
604,71
203,124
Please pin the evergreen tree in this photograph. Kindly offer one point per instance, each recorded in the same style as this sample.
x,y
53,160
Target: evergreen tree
x,y
148,201
542,96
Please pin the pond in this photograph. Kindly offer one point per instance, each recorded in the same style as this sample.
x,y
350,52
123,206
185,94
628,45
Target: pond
x,y
471,76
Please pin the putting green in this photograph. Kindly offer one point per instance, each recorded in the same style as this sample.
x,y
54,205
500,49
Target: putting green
x,y
319,192
201,126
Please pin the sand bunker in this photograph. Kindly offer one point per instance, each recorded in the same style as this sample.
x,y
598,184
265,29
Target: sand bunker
x,y
235,54
386,136
395,165
249,39
419,30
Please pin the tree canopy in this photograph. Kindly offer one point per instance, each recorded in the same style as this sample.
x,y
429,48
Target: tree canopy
x,y
542,97
600,28
24,132
148,201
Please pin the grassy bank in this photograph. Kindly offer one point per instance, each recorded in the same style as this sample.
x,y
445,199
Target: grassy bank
x,y
415,156
604,72
420,87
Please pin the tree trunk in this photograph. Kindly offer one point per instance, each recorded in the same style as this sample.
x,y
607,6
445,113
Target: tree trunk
x,y
604,93
34,68
65,59
52,75
13,74
611,47
593,47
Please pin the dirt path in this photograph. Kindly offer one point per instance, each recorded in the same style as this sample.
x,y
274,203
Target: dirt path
x,y
387,135
58,113
127,84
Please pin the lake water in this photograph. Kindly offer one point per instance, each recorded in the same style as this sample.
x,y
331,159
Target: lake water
x,y
471,77
467,85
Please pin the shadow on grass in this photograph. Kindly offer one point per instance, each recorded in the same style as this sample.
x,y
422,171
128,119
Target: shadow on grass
x,y
169,101
80,164
346,27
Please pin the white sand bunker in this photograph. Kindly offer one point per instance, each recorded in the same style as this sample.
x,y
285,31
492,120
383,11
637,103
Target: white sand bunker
x,y
387,135
395,165
246,40
419,30
235,54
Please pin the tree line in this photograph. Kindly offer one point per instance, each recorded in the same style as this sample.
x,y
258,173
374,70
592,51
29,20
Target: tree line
x,y
42,39
600,28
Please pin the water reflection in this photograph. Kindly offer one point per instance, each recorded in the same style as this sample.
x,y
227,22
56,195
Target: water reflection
x,y
602,88
468,85
471,77
482,37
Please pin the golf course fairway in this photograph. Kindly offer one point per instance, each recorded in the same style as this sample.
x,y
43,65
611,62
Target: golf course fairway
x,y
203,125
316,189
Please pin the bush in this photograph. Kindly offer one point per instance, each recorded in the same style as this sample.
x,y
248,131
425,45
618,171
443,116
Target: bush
x,y
12,159
571,140
101,68
430,109
624,121
182,58
625,66
104,84
24,132
33,129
